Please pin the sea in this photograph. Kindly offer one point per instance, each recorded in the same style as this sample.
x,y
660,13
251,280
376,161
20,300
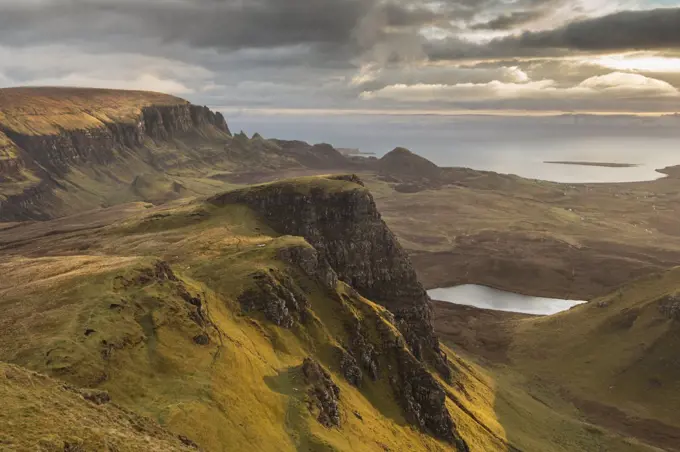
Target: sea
x,y
512,145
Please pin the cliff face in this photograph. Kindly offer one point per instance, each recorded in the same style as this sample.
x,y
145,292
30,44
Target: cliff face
x,y
339,218
63,151
99,145
10,164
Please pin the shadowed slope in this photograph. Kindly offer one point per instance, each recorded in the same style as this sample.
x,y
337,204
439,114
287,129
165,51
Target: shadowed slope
x,y
619,350
67,150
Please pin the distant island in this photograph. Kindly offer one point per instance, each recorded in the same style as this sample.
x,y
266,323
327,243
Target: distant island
x,y
353,151
603,164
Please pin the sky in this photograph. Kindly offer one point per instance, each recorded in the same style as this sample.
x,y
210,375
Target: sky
x,y
356,56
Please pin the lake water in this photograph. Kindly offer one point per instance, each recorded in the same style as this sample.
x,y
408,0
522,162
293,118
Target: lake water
x,y
506,145
488,298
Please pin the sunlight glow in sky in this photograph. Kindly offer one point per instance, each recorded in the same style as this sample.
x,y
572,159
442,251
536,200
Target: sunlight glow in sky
x,y
528,56
639,63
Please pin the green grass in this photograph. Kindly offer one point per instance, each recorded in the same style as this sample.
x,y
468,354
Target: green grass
x,y
304,186
66,293
240,391
616,350
40,413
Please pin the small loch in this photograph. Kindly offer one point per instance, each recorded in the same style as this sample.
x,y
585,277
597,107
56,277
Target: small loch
x,y
488,298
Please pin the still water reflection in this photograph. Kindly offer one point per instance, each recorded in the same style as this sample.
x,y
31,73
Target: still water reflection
x,y
488,298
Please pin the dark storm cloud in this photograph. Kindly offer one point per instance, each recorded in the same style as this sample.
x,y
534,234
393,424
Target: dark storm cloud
x,y
318,53
628,30
201,23
657,29
509,21
234,24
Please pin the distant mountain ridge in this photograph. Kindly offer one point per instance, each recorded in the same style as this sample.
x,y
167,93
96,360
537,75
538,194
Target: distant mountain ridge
x,y
65,150
68,150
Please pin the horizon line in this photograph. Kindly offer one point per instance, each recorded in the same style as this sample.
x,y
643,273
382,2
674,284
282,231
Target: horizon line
x,y
420,112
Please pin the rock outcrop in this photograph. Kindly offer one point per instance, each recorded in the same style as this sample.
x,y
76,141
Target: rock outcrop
x,y
10,163
100,135
277,296
318,156
323,394
669,306
307,259
339,218
100,145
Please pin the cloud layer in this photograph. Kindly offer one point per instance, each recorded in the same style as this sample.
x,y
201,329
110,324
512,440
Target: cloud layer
x,y
354,54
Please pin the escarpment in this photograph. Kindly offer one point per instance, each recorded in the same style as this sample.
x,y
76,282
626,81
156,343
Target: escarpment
x,y
339,218
10,163
85,147
101,145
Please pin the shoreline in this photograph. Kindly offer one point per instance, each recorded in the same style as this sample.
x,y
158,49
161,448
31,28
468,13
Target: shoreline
x,y
598,164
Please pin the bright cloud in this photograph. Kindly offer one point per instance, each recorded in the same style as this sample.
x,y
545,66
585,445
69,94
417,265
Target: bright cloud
x,y
648,63
616,84
586,55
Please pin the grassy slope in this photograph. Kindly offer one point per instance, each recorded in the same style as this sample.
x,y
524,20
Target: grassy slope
x,y
39,413
244,390
612,363
47,111
619,350
70,285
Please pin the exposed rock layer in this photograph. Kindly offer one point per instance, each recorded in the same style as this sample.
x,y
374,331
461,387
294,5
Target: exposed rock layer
x,y
670,306
70,145
57,153
340,219
323,393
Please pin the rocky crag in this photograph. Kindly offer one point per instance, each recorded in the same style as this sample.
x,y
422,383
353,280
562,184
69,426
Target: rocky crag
x,y
345,227
231,332
65,150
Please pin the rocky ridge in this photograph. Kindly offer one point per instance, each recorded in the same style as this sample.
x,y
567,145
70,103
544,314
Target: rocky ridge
x,y
339,218
42,158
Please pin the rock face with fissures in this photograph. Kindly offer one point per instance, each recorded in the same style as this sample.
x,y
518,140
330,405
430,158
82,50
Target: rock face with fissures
x,y
338,217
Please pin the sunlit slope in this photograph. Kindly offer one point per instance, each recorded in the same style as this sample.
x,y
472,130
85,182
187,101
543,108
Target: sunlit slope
x,y
40,413
202,317
49,111
619,351
209,322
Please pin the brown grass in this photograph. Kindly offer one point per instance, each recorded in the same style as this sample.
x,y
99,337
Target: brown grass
x,y
558,240
46,110
39,413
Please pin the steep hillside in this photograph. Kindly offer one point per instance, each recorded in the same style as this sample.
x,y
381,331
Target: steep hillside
x,y
66,150
204,318
40,413
619,350
257,320
402,162
347,229
614,360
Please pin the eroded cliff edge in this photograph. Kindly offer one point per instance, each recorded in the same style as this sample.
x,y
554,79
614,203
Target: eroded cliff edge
x,y
339,218
64,150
